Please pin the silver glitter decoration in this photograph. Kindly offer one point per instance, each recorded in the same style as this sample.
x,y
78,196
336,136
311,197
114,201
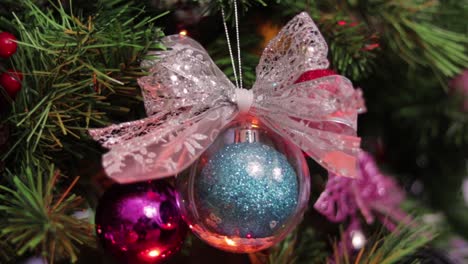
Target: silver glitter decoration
x,y
247,190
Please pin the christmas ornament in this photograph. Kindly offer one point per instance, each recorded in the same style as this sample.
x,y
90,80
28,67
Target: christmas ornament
x,y
247,191
372,195
8,44
11,82
189,101
140,222
192,107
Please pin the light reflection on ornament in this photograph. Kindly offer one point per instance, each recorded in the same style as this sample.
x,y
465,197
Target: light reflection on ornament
x,y
150,211
255,123
229,241
154,253
277,174
183,32
151,255
255,169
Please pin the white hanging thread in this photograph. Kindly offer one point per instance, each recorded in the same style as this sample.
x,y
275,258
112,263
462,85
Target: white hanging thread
x,y
244,97
229,47
238,43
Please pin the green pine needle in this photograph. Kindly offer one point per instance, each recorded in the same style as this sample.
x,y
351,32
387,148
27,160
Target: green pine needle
x,y
78,71
72,65
38,220
390,248
410,32
353,47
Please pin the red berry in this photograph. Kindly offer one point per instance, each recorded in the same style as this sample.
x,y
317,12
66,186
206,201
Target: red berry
x,y
8,44
11,82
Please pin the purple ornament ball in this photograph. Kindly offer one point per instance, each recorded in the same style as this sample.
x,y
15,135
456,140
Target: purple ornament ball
x,y
140,223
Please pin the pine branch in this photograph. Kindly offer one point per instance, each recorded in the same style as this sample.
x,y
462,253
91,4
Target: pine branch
x,y
353,48
80,71
409,30
412,30
38,220
7,252
390,248
304,246
77,69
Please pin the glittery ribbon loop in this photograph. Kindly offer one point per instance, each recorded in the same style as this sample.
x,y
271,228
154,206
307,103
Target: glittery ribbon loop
x,y
189,100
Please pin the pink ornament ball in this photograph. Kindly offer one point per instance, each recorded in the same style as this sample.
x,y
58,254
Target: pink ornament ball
x,y
140,223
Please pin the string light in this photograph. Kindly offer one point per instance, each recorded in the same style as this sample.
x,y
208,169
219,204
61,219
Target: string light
x,y
154,253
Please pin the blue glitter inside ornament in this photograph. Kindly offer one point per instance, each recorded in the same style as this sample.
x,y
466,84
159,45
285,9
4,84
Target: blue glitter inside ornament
x,y
246,190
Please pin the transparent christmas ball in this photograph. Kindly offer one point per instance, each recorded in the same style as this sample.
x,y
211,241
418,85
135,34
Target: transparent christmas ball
x,y
247,191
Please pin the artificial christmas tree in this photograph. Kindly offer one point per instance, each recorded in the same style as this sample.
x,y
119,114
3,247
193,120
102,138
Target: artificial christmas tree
x,y
80,61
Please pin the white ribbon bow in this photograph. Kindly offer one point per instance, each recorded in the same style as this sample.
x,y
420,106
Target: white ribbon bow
x,y
189,101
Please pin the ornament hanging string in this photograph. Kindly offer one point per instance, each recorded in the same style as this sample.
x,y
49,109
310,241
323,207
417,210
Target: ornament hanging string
x,y
244,97
226,31
230,48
